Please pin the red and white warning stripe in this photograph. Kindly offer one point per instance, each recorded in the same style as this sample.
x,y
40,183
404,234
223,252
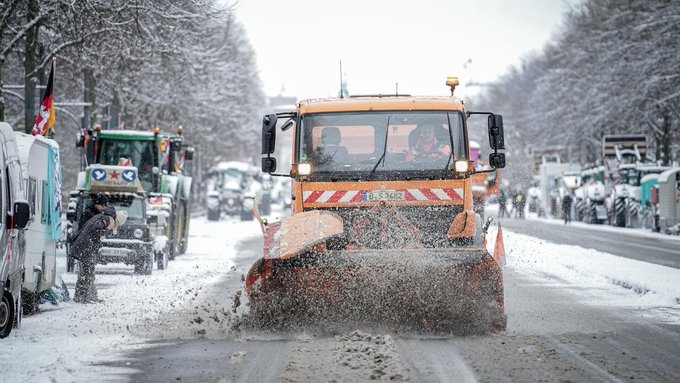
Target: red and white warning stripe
x,y
348,196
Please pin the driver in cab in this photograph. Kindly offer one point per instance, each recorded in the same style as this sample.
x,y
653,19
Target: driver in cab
x,y
425,145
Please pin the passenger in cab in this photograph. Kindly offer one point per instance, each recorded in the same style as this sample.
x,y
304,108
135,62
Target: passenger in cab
x,y
424,144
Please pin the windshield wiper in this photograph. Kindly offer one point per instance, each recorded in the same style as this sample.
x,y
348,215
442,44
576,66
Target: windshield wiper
x,y
449,160
382,157
448,119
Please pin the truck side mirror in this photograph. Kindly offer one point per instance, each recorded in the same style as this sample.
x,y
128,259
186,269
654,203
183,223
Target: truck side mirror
x,y
496,140
21,215
497,160
268,164
269,134
189,153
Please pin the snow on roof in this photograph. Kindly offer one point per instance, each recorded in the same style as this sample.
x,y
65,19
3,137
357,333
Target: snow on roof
x,y
123,132
24,144
649,177
224,165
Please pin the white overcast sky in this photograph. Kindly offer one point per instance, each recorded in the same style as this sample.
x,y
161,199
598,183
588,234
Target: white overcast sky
x,y
417,44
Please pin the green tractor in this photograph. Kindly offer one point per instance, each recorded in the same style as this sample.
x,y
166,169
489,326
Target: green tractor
x,y
160,159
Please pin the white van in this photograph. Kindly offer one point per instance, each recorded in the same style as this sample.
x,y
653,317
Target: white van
x,y
14,215
41,170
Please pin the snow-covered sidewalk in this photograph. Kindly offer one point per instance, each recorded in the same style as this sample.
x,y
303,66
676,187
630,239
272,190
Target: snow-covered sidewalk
x,y
69,342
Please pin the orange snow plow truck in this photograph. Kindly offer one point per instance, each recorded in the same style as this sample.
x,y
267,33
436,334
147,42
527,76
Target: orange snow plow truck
x,y
383,230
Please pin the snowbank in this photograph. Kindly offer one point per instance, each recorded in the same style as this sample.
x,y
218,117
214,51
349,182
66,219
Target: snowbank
x,y
599,278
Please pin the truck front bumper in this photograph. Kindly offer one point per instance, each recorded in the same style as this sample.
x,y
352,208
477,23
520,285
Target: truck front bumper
x,y
127,251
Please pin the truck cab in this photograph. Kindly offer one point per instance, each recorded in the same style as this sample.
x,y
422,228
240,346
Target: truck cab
x,y
411,153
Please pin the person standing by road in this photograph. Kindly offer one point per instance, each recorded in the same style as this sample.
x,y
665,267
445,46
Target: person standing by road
x,y
85,248
566,208
520,203
502,204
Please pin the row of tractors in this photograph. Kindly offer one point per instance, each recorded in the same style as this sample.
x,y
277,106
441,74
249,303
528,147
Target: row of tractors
x,y
143,173
625,190
235,187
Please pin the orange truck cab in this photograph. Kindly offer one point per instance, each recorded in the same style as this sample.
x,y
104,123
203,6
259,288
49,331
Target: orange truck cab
x,y
356,152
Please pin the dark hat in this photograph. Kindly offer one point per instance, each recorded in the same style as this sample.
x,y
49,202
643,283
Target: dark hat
x,y
100,199
110,211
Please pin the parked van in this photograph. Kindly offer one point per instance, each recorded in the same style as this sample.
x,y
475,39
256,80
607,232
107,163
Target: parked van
x,y
41,170
14,218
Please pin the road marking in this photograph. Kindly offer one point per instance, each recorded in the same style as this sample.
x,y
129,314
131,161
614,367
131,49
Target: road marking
x,y
590,366
435,360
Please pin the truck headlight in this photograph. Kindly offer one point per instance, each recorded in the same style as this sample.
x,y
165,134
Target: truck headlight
x,y
460,166
304,169
138,233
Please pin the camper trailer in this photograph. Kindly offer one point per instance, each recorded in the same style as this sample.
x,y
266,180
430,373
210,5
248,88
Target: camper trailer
x,y
14,218
41,171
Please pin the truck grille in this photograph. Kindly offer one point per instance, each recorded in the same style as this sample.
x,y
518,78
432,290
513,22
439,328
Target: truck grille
x,y
382,228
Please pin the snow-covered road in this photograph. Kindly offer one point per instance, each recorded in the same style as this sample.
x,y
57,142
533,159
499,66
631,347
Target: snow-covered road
x,y
573,314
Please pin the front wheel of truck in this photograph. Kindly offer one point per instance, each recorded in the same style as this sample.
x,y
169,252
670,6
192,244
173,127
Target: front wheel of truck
x,y
6,314
162,258
144,265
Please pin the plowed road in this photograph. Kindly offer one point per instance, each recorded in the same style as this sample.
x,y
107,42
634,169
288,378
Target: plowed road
x,y
554,334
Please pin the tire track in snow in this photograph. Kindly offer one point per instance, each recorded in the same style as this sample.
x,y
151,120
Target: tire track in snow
x,y
434,360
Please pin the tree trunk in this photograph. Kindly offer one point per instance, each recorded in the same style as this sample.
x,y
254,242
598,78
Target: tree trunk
x,y
91,84
666,139
30,61
2,94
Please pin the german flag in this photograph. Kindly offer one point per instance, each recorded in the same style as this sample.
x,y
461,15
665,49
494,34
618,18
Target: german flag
x,y
46,119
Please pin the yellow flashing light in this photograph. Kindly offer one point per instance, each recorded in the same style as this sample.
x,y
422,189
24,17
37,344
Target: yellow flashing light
x,y
452,82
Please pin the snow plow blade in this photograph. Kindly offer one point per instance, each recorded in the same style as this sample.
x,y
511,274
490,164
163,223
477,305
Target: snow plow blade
x,y
425,290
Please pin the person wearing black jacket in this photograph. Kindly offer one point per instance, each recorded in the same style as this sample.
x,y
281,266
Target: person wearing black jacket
x,y
566,208
85,248
98,205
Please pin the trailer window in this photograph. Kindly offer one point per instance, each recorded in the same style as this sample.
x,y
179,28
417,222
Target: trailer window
x,y
44,217
31,190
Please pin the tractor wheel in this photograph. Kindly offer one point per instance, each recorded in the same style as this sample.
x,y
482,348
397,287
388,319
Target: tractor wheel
x,y
144,265
213,215
162,258
30,302
184,241
246,216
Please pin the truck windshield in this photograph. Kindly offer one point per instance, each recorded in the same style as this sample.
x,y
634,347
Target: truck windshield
x,y
231,179
133,206
139,152
373,142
